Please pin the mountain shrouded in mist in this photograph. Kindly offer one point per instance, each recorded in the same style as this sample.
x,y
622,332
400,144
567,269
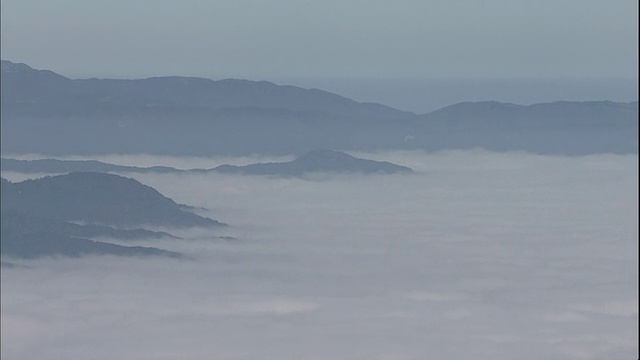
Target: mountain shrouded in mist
x,y
60,215
98,198
317,161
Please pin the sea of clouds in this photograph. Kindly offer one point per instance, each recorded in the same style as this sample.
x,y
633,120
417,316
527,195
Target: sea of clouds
x,y
478,255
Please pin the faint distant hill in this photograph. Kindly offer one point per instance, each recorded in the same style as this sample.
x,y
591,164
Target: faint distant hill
x,y
546,114
44,112
97,198
55,166
107,97
312,162
563,127
318,161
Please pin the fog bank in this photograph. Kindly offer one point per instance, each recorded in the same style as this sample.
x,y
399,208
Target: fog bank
x,y
478,255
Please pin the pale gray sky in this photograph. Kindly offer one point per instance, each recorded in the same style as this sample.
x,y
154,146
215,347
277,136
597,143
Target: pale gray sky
x,y
289,40
330,38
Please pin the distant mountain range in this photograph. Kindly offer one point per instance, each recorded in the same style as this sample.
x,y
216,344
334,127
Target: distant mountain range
x,y
58,215
563,127
44,112
55,166
317,161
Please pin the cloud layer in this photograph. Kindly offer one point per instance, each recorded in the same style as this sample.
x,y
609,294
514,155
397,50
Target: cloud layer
x,y
479,255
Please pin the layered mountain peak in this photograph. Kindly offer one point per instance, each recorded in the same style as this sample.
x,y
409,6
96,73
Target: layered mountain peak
x,y
318,161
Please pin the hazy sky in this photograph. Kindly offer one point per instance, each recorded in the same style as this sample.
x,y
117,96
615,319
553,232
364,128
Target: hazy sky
x,y
279,39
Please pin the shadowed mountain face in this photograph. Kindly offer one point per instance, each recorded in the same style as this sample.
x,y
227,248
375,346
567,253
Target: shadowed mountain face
x,y
43,112
97,198
317,161
106,97
37,214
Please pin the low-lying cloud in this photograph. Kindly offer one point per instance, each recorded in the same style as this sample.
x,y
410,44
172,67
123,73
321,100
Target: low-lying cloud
x,y
479,255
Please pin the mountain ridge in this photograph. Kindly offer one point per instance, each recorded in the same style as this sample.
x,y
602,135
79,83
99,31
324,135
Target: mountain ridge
x,y
43,112
10,67
202,92
40,216
317,161
310,162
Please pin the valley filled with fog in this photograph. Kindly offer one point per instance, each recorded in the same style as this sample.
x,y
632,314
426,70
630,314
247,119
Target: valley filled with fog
x,y
475,255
